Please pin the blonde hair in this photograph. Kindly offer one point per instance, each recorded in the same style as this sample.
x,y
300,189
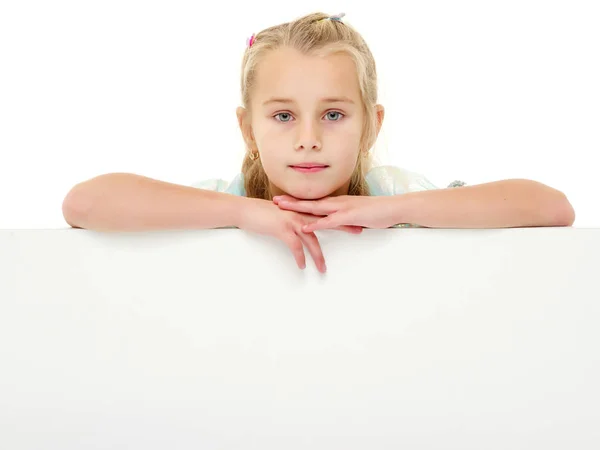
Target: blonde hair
x,y
311,35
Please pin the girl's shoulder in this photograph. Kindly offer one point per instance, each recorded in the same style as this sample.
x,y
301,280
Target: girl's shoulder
x,y
393,180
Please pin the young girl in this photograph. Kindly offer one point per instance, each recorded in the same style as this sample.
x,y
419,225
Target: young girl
x,y
309,120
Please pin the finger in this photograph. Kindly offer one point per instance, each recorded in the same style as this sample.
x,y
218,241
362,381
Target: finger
x,y
333,221
315,207
295,244
279,198
314,248
350,229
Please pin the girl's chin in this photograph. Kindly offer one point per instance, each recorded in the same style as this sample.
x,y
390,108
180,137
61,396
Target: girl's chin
x,y
308,193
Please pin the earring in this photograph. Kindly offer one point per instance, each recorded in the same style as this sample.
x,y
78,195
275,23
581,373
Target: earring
x,y
253,156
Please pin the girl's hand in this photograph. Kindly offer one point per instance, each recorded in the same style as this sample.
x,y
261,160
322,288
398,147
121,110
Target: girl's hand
x,y
264,217
353,210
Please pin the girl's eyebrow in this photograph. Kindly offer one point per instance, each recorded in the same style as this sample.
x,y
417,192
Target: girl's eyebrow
x,y
323,100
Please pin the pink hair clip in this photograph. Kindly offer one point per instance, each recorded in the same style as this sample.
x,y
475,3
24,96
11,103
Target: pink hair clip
x,y
250,40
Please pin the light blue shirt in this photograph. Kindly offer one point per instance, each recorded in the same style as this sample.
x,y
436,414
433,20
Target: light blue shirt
x,y
382,180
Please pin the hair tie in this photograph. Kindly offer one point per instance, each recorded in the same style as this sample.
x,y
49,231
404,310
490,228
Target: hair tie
x,y
337,17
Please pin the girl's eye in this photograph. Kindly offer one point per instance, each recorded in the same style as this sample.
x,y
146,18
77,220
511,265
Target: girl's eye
x,y
286,117
334,112
283,114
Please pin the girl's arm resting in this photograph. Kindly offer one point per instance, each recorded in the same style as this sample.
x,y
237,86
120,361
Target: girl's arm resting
x,y
498,204
130,202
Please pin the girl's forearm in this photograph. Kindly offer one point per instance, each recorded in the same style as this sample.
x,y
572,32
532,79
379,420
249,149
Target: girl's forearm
x,y
499,204
130,202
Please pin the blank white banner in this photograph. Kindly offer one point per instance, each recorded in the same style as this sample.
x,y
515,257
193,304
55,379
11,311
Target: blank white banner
x,y
214,339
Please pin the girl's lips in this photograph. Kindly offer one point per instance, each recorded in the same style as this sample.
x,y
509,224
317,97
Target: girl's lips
x,y
309,169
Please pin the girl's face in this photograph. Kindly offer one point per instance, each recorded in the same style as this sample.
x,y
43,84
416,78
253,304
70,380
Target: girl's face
x,y
306,110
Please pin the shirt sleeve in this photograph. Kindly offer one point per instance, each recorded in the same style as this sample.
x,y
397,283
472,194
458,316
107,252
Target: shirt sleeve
x,y
214,184
235,187
391,180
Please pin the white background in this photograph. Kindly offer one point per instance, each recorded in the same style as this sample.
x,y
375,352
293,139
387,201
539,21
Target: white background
x,y
477,91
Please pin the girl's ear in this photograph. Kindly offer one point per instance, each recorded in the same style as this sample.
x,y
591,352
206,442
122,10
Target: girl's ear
x,y
245,127
380,114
